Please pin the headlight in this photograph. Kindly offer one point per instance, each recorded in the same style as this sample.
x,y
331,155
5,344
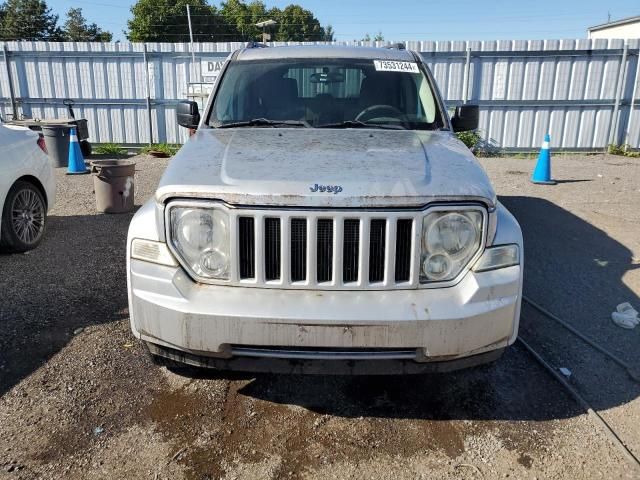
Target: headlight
x,y
450,239
201,238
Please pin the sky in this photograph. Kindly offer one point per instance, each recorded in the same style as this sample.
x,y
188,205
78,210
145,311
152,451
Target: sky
x,y
416,19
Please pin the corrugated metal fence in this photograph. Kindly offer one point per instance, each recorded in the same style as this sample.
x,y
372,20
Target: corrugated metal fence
x,y
583,92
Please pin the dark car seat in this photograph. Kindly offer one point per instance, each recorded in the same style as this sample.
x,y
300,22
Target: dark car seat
x,y
378,89
279,99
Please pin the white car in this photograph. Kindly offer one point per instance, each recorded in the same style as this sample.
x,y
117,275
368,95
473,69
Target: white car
x,y
27,188
324,218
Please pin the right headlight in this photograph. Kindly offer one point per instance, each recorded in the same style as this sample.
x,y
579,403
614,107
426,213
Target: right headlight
x,y
450,239
200,236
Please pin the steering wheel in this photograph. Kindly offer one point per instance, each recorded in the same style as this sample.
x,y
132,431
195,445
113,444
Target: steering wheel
x,y
380,111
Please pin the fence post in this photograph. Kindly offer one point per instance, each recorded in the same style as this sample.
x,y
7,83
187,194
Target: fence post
x,y
12,94
147,91
620,84
467,77
633,101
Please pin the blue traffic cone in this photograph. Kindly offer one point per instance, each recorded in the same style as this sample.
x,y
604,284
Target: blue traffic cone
x,y
542,172
76,161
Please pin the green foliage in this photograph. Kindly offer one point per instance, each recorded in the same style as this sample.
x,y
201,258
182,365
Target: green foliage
x,y
33,20
328,34
166,21
624,150
28,20
297,24
165,148
109,149
242,17
77,30
615,149
470,138
378,37
234,21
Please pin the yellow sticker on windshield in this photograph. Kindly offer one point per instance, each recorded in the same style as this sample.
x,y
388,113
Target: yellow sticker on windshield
x,y
394,66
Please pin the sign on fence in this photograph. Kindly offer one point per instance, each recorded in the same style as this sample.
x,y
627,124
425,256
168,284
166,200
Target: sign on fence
x,y
211,68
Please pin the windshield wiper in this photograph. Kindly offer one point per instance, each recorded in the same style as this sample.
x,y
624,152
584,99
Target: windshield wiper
x,y
265,122
359,124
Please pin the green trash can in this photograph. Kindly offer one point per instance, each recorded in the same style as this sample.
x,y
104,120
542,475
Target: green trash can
x,y
113,183
56,138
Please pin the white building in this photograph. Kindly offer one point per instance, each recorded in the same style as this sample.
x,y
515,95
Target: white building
x,y
625,28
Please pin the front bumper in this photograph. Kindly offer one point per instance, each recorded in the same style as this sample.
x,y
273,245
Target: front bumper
x,y
323,366
218,325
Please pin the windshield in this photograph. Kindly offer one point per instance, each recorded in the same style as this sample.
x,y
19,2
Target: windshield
x,y
325,93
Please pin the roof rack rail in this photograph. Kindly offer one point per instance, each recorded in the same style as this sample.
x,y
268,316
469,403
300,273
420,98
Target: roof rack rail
x,y
396,46
253,44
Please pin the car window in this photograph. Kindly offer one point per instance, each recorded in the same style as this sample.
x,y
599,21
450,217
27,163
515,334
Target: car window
x,y
326,92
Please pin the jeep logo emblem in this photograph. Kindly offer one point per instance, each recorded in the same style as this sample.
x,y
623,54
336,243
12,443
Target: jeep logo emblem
x,y
335,189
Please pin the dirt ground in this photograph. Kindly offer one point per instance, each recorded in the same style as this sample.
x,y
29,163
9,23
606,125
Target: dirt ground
x,y
79,398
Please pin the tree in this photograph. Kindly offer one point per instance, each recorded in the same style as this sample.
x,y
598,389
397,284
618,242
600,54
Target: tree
x,y
297,24
166,21
28,20
242,19
77,30
234,21
378,37
329,34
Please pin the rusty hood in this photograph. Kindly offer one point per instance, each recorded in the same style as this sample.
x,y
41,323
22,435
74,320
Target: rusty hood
x,y
295,167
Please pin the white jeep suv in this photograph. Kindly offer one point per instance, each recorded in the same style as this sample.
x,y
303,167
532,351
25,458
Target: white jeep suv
x,y
324,218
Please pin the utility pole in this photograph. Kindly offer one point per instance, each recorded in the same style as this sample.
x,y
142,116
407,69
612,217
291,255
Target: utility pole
x,y
193,54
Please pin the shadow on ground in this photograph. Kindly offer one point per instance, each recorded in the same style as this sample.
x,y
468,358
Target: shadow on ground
x,y
576,271
572,268
74,279
77,278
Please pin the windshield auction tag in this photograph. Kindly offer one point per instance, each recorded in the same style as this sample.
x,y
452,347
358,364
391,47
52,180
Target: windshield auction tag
x,y
394,66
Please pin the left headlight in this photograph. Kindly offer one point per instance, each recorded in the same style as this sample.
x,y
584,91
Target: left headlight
x,y
200,237
450,239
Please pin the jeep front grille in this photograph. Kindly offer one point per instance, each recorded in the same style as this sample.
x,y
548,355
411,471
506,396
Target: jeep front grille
x,y
403,247
272,242
345,250
298,249
376,250
246,247
325,250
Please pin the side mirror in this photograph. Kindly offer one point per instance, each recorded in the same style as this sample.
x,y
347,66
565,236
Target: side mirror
x,y
466,118
188,114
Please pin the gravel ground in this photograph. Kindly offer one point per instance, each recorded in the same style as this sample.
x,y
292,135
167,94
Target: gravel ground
x,y
80,400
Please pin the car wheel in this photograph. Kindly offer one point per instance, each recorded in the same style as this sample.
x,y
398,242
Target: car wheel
x,y
23,218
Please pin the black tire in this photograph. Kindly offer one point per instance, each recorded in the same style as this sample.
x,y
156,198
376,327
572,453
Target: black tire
x,y
24,218
85,148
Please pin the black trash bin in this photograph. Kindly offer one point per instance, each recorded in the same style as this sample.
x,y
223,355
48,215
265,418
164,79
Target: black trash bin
x,y
56,137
